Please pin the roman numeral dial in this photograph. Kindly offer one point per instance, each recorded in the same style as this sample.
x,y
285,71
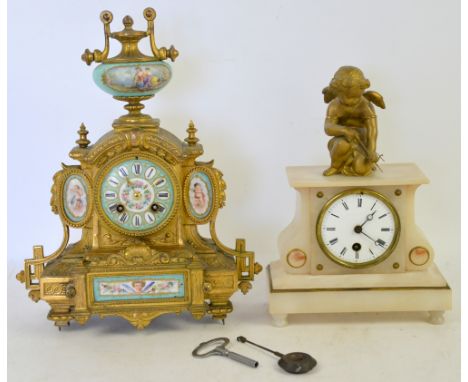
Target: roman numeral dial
x,y
129,192
358,228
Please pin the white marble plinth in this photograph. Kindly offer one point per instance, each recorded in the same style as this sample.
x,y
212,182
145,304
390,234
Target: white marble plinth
x,y
397,292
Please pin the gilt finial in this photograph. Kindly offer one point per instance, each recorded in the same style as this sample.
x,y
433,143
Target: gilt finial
x,y
83,142
191,138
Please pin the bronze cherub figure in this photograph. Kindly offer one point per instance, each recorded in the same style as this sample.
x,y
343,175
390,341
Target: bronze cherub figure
x,y
352,122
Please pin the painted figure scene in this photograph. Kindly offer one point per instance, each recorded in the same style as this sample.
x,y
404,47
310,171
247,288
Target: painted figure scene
x,y
137,78
75,197
200,194
139,287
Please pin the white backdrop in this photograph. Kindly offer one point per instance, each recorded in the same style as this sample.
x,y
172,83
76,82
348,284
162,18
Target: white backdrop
x,y
250,75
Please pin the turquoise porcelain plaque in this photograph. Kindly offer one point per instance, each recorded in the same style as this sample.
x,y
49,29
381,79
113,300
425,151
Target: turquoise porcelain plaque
x,y
200,195
75,198
117,288
132,79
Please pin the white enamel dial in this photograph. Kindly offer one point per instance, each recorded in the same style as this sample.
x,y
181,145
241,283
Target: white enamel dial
x,y
358,228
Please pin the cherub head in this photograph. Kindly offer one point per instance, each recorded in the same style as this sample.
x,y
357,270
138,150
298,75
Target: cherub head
x,y
138,285
197,188
348,85
77,190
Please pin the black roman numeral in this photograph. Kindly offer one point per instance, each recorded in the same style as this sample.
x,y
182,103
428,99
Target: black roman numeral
x,y
345,205
137,168
385,229
380,217
334,241
359,201
150,172
163,194
380,242
137,221
159,181
123,171
343,251
123,218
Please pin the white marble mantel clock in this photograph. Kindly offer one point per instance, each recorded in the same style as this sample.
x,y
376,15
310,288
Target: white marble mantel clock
x,y
353,245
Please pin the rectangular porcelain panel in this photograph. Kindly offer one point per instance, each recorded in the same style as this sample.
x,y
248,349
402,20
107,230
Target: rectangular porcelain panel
x,y
117,288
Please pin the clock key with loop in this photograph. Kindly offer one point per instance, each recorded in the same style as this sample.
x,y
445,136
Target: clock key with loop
x,y
221,350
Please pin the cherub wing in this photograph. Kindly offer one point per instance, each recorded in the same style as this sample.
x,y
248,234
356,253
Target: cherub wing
x,y
328,94
376,98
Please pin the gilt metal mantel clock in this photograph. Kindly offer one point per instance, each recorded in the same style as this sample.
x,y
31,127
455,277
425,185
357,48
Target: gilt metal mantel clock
x,y
353,245
138,194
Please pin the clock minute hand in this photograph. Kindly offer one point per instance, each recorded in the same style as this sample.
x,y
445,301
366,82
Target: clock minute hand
x,y
368,218
365,234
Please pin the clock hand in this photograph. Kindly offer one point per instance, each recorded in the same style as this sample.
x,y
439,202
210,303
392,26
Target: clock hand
x,y
376,242
358,228
368,218
365,234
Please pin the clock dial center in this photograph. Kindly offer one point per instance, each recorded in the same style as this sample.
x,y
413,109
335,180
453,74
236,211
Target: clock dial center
x,y
137,194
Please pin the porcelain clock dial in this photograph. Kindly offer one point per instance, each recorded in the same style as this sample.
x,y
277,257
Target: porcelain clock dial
x,y
358,228
137,195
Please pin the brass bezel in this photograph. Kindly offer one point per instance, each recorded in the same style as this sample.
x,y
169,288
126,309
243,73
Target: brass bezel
x,y
295,250
428,257
375,194
64,175
127,156
215,202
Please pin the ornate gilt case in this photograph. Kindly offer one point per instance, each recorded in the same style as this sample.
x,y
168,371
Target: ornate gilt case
x,y
138,194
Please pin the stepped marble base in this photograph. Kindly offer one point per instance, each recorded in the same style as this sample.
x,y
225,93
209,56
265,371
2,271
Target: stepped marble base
x,y
397,292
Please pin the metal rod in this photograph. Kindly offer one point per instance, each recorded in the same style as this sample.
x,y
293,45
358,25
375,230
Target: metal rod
x,y
243,340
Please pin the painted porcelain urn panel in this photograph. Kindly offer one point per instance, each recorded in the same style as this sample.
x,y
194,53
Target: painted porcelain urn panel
x,y
132,79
